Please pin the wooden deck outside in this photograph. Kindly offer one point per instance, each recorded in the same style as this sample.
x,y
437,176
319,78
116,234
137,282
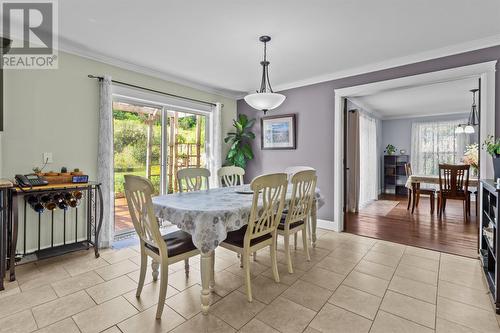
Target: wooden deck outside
x,y
123,222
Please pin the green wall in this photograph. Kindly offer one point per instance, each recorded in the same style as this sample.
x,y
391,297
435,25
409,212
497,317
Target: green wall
x,y
57,111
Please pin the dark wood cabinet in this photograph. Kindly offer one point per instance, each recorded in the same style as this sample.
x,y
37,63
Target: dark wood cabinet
x,y
488,237
395,175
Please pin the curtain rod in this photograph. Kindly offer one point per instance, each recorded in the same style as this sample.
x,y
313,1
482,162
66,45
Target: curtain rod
x,y
152,90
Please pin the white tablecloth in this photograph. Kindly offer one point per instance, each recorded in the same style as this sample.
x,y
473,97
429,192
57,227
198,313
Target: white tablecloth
x,y
208,215
432,179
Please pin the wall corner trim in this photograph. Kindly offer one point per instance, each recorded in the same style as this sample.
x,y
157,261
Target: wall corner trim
x,y
328,225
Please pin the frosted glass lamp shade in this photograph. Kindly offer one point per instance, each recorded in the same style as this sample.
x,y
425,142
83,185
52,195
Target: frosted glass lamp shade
x,y
265,101
459,129
469,129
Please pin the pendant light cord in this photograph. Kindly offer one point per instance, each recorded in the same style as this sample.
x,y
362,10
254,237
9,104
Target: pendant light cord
x,y
265,73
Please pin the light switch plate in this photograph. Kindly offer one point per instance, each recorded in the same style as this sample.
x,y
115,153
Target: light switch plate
x,y
47,158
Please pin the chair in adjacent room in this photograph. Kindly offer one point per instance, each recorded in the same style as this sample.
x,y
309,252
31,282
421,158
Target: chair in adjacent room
x,y
230,176
414,198
269,193
454,185
299,211
193,179
163,249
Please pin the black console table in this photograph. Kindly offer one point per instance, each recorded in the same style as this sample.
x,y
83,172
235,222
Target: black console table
x,y
488,237
4,213
94,217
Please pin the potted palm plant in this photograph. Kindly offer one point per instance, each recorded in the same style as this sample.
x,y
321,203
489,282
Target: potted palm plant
x,y
492,146
241,150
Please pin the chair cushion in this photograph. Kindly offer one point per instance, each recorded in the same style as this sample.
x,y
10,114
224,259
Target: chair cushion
x,y
178,242
237,237
281,226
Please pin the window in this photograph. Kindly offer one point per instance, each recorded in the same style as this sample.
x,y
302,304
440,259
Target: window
x,y
434,143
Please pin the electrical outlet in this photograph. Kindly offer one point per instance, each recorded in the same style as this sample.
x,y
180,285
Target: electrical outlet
x,y
47,158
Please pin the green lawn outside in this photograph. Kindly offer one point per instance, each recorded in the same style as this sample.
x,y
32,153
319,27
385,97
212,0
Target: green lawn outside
x,y
120,179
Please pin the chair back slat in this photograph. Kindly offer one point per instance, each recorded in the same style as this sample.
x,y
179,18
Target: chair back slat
x,y
138,191
454,180
408,169
230,176
193,179
267,205
303,192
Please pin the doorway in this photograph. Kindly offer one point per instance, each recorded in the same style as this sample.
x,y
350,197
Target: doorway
x,y
419,226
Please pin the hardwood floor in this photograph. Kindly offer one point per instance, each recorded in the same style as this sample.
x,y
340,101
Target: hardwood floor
x,y
451,234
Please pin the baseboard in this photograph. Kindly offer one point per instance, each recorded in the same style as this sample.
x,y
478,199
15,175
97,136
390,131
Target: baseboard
x,y
328,225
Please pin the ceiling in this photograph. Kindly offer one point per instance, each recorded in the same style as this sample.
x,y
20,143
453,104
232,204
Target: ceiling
x,y
214,43
426,100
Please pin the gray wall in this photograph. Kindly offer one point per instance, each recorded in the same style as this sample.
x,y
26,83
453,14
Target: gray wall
x,y
315,106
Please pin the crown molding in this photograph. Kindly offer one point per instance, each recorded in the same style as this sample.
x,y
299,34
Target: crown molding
x,y
365,108
81,51
425,115
396,62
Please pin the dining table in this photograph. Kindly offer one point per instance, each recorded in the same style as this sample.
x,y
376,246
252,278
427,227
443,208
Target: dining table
x,y
208,215
413,181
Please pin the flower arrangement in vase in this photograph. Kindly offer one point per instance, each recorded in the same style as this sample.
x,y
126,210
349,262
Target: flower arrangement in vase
x,y
471,157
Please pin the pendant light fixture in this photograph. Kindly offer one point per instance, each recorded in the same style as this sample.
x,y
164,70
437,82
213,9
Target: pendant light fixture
x,y
473,117
265,99
459,129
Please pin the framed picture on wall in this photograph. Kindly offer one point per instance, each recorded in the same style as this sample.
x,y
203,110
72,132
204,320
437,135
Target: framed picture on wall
x,y
278,132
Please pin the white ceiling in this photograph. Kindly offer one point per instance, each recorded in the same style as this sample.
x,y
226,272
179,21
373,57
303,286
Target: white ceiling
x,y
215,43
426,100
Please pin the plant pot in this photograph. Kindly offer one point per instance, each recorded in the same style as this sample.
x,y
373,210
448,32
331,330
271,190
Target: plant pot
x,y
496,166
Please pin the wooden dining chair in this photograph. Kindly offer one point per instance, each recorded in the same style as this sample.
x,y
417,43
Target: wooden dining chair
x,y
230,176
454,185
414,198
269,193
299,210
193,179
163,249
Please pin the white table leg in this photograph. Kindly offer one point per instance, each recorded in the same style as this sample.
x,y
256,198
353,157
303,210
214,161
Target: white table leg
x,y
314,221
206,268
212,272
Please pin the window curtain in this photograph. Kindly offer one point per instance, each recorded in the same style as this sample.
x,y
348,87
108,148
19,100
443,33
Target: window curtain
x,y
353,161
215,158
368,162
105,174
434,143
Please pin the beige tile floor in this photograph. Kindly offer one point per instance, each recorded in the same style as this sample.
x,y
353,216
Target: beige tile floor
x,y
352,284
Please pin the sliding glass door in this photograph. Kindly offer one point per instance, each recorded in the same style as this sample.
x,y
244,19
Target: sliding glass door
x,y
138,150
187,135
154,141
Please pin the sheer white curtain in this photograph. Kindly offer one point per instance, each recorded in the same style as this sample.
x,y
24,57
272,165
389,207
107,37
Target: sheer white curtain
x,y
435,142
368,160
215,158
105,172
